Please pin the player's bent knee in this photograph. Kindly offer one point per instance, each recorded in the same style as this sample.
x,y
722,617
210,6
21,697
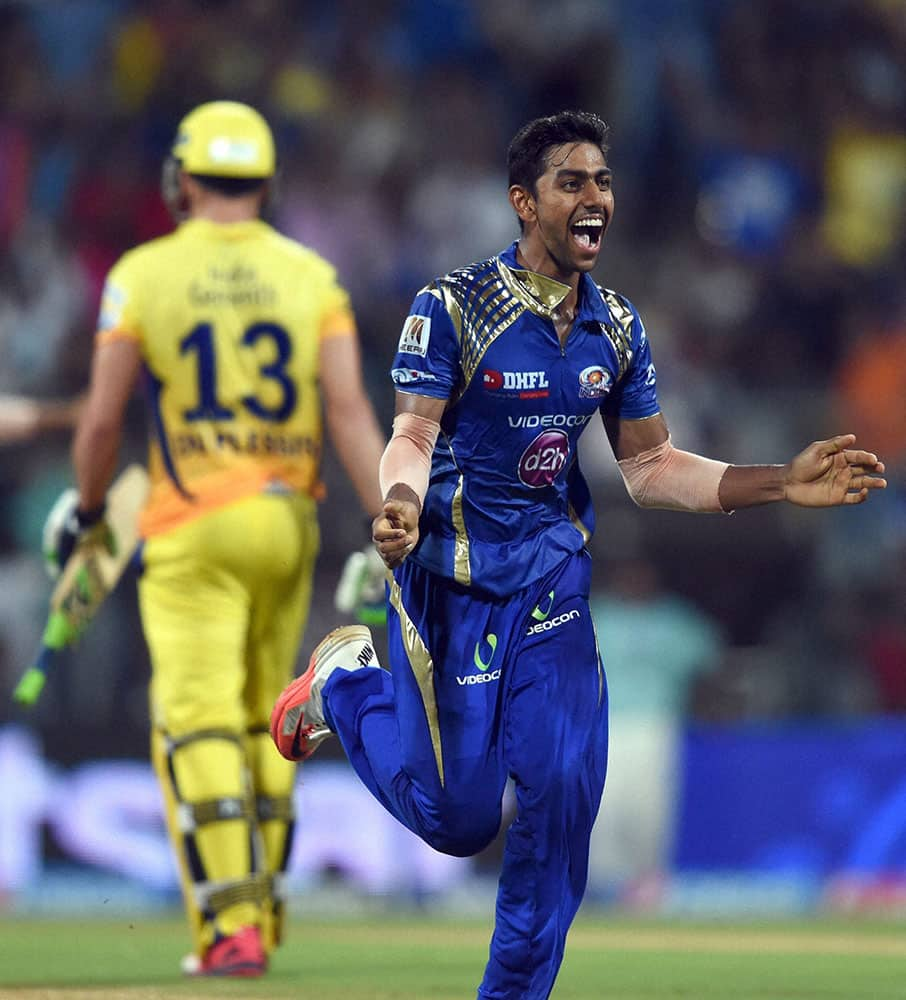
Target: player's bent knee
x,y
462,831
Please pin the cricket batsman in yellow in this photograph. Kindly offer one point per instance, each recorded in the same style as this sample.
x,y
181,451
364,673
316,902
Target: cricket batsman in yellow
x,y
244,342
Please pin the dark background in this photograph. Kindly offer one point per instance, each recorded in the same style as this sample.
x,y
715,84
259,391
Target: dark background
x,y
760,177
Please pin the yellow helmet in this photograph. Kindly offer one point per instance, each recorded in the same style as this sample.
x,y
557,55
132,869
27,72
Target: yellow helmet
x,y
225,139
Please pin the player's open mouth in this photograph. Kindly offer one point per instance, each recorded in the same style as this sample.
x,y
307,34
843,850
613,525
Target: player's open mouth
x,y
588,232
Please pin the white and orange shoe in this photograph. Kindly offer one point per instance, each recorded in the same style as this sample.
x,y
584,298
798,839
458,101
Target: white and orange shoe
x,y
297,720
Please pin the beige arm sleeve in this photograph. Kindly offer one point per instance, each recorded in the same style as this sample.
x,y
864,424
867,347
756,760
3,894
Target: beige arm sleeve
x,y
407,457
673,480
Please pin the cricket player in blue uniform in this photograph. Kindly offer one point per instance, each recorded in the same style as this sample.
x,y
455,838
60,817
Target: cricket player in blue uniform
x,y
496,672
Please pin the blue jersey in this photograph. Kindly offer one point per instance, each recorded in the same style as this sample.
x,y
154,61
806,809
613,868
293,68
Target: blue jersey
x,y
506,500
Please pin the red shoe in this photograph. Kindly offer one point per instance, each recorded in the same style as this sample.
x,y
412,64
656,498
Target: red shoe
x,y
297,721
239,954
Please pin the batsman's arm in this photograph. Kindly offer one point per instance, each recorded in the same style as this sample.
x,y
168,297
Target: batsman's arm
x,y
87,575
351,422
355,434
114,371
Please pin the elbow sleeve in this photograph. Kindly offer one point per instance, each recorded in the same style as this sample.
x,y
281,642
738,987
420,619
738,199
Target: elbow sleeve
x,y
671,479
407,457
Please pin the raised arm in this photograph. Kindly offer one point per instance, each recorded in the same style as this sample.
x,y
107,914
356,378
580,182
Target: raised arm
x,y
825,474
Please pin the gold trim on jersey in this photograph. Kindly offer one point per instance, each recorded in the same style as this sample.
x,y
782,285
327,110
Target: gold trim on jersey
x,y
620,336
462,570
485,299
578,525
422,667
480,307
601,684
535,291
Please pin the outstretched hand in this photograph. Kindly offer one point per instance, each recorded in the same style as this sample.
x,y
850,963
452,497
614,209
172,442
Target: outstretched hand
x,y
395,531
830,473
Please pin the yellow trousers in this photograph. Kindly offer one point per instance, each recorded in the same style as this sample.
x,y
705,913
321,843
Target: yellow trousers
x,y
224,600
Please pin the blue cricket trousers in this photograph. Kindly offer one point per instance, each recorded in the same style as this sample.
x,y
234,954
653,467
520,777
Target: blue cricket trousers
x,y
482,690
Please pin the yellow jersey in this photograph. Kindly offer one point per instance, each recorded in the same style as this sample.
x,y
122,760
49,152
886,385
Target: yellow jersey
x,y
229,320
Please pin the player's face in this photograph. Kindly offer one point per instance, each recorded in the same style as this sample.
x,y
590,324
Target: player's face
x,y
573,207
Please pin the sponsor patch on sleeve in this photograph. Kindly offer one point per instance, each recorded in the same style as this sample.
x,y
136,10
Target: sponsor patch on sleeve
x,y
415,336
409,376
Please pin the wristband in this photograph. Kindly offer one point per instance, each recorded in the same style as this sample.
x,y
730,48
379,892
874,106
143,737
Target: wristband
x,y
87,518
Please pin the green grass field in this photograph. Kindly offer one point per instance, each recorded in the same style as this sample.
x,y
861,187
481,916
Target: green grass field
x,y
437,959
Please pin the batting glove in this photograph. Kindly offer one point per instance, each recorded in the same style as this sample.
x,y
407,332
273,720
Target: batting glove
x,y
361,589
67,527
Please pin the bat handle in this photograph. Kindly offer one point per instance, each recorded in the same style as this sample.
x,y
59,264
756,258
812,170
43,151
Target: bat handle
x,y
58,634
31,684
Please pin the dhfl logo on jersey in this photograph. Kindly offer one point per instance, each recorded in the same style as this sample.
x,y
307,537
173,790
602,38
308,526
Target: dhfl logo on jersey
x,y
415,336
529,385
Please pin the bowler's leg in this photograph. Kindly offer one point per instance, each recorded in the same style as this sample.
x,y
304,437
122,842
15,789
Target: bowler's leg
x,y
423,738
556,732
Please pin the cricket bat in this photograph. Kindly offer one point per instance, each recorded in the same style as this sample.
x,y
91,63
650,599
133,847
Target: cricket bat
x,y
88,577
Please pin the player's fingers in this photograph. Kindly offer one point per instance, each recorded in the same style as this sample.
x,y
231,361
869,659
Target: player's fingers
x,y
391,546
841,442
395,507
395,557
860,478
392,559
387,534
401,513
383,527
863,458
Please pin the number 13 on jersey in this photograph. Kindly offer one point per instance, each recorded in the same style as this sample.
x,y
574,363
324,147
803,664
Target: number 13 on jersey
x,y
200,343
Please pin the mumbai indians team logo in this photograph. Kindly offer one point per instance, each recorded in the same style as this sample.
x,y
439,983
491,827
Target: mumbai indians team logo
x,y
594,382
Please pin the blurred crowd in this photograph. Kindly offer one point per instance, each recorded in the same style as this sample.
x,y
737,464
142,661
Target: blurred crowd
x,y
759,152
